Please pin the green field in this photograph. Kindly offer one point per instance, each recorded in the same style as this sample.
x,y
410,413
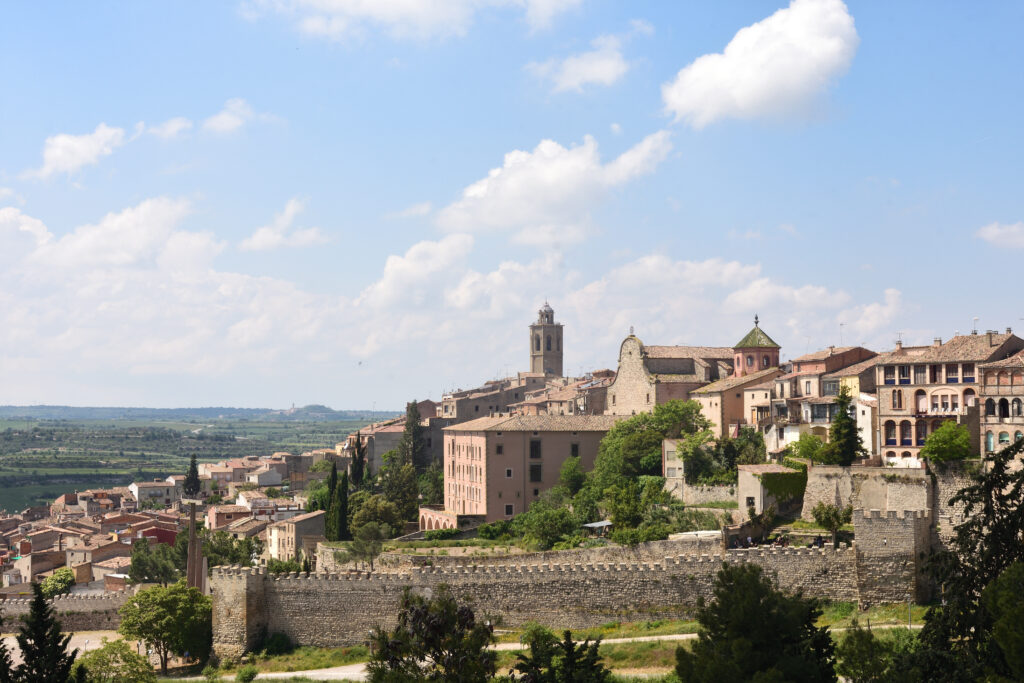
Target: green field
x,y
42,458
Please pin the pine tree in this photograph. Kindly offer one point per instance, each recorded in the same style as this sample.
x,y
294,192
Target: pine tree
x,y
44,651
191,485
358,466
332,484
412,448
844,444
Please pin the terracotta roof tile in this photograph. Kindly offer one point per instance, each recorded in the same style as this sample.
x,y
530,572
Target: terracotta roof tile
x,y
688,352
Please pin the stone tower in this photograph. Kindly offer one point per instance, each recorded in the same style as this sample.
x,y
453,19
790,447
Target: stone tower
x,y
755,352
546,343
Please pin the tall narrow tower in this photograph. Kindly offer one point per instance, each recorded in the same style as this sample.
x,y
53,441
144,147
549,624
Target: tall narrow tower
x,y
546,343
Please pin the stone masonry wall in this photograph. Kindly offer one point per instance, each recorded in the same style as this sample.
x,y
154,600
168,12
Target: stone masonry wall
x,y
696,495
336,610
76,612
891,549
868,488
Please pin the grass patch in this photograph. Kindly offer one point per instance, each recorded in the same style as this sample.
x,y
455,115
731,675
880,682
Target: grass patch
x,y
719,504
803,524
841,614
652,657
306,658
616,629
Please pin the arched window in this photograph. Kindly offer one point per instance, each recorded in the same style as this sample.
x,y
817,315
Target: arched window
x,y
990,378
536,343
1004,438
890,433
1015,407
765,360
1017,378
750,361
1004,378
990,407
1004,408
548,343
922,431
905,454
990,441
897,399
1017,436
969,398
905,436
890,454
920,401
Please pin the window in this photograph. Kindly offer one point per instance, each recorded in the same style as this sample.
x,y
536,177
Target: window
x,y
830,388
508,472
574,450
750,501
952,373
613,399
536,492
1004,438
547,344
807,387
968,372
535,473
499,449
670,472
534,449
897,399
750,361
904,372
476,409
765,361
920,374
889,374
648,398
536,343
905,438
1017,436
890,433
990,442
508,510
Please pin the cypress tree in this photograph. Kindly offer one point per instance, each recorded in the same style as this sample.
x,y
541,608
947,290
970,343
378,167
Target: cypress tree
x,y
191,485
44,651
844,444
358,466
332,484
340,509
412,447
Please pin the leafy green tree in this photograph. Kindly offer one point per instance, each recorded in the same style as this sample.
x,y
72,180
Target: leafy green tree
x,y
543,525
752,632
58,583
357,469
377,509
951,441
316,496
275,566
153,564
808,446
399,485
863,658
958,640
431,484
844,443
571,476
436,639
172,620
115,662
1004,601
44,650
625,506
337,517
832,518
553,661
191,485
366,545
412,447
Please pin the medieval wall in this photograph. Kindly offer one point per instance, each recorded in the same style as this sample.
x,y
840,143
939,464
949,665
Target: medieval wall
x,y
868,488
75,612
891,549
336,610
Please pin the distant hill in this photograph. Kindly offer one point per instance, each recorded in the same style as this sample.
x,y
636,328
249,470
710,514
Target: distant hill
x,y
312,413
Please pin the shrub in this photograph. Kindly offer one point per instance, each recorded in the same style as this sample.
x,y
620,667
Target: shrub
x,y
277,644
441,534
494,530
247,674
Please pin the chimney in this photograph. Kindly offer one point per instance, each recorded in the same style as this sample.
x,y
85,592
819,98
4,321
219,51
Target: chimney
x,y
899,345
1009,330
831,350
989,336
937,342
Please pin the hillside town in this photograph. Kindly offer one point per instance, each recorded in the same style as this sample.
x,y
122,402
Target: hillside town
x,y
503,445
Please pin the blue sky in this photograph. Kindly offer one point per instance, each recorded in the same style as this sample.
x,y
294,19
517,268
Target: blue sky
x,y
358,203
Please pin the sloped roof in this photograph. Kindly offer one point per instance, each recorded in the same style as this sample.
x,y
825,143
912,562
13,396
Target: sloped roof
x,y
822,354
687,352
1014,362
539,423
756,339
965,347
734,382
855,369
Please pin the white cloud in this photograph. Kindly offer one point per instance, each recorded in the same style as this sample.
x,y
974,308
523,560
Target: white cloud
x,y
549,191
1003,234
66,153
401,19
280,233
776,67
604,65
171,128
421,209
764,291
867,320
405,275
234,115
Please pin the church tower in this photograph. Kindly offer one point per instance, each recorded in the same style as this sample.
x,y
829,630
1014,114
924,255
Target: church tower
x,y
546,343
755,352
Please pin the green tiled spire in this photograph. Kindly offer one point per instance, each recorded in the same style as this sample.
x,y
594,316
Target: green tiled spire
x,y
756,339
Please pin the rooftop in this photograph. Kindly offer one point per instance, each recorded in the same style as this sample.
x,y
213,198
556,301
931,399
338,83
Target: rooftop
x,y
965,347
538,423
688,352
855,369
823,353
756,339
733,382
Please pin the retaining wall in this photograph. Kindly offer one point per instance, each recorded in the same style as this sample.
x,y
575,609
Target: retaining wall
x,y
75,612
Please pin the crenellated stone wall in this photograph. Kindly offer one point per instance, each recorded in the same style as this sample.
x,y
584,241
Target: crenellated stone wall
x,y
869,488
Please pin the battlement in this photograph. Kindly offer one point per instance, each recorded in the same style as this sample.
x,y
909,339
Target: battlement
x,y
893,514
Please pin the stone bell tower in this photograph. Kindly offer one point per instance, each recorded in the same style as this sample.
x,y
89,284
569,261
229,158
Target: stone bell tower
x,y
546,343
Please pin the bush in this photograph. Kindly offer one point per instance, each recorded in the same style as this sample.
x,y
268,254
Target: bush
x,y
494,530
247,673
58,583
441,534
211,675
277,644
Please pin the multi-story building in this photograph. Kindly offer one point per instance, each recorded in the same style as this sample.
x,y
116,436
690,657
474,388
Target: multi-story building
x,y
159,493
919,388
292,538
1001,398
723,404
494,467
804,399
